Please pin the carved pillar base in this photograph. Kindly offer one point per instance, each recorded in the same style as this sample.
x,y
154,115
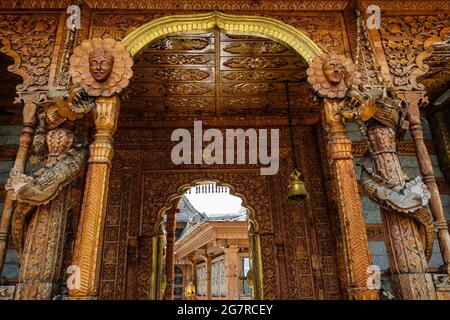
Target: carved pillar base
x,y
362,294
442,285
415,286
43,250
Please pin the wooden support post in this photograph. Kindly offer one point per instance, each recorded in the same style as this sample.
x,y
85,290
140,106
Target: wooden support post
x,y
88,246
232,267
26,138
414,98
346,194
170,265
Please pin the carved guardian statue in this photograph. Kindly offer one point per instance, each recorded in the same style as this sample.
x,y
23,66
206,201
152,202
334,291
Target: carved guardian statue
x,y
43,201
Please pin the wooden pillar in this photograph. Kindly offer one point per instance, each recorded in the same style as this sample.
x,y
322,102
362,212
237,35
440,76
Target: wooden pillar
x,y
208,260
170,265
407,260
346,195
232,266
26,138
413,98
88,246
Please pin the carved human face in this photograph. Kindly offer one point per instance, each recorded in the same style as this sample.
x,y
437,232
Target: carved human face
x,y
101,64
333,71
59,140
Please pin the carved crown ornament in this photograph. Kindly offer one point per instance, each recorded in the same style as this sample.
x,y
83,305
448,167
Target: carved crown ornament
x,y
102,67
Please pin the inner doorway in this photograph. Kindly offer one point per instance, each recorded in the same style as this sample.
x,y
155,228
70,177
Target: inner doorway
x,y
207,253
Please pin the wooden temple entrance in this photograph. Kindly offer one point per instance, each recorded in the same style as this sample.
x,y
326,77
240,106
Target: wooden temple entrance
x,y
126,83
227,82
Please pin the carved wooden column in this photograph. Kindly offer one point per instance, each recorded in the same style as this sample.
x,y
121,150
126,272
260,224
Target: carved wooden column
x,y
232,266
26,138
88,246
346,194
170,265
413,98
407,260
208,260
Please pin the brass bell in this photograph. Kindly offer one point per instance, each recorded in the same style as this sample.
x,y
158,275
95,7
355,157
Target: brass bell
x,y
296,189
250,278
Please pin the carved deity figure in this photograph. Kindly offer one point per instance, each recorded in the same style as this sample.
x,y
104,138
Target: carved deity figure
x,y
408,225
330,75
101,63
102,67
43,202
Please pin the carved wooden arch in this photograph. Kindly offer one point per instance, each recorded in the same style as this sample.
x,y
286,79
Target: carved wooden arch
x,y
15,67
265,27
172,198
253,231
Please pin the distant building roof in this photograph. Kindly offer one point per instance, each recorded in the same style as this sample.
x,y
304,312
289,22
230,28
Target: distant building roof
x,y
193,217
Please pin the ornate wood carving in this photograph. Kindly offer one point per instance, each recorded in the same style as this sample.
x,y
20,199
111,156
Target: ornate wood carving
x,y
426,169
32,38
235,5
403,218
149,151
326,76
39,219
88,245
404,40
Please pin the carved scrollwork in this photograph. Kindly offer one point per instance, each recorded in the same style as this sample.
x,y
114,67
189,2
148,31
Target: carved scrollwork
x,y
407,42
29,40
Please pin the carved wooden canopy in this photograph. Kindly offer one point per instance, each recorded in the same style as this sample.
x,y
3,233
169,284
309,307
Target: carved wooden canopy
x,y
216,75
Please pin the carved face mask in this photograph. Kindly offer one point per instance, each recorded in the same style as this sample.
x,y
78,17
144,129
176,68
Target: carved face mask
x,y
333,71
101,64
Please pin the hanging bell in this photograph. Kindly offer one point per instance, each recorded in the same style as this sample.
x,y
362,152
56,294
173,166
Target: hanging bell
x,y
296,189
250,278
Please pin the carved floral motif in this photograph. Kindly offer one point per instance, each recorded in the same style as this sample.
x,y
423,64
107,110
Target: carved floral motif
x,y
403,39
32,37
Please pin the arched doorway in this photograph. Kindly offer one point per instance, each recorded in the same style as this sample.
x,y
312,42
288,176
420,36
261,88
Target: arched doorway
x,y
221,241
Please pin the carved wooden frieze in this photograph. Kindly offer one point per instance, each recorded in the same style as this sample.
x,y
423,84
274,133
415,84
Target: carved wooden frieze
x,y
253,88
177,59
255,63
180,44
32,39
253,75
403,40
254,48
181,74
214,74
